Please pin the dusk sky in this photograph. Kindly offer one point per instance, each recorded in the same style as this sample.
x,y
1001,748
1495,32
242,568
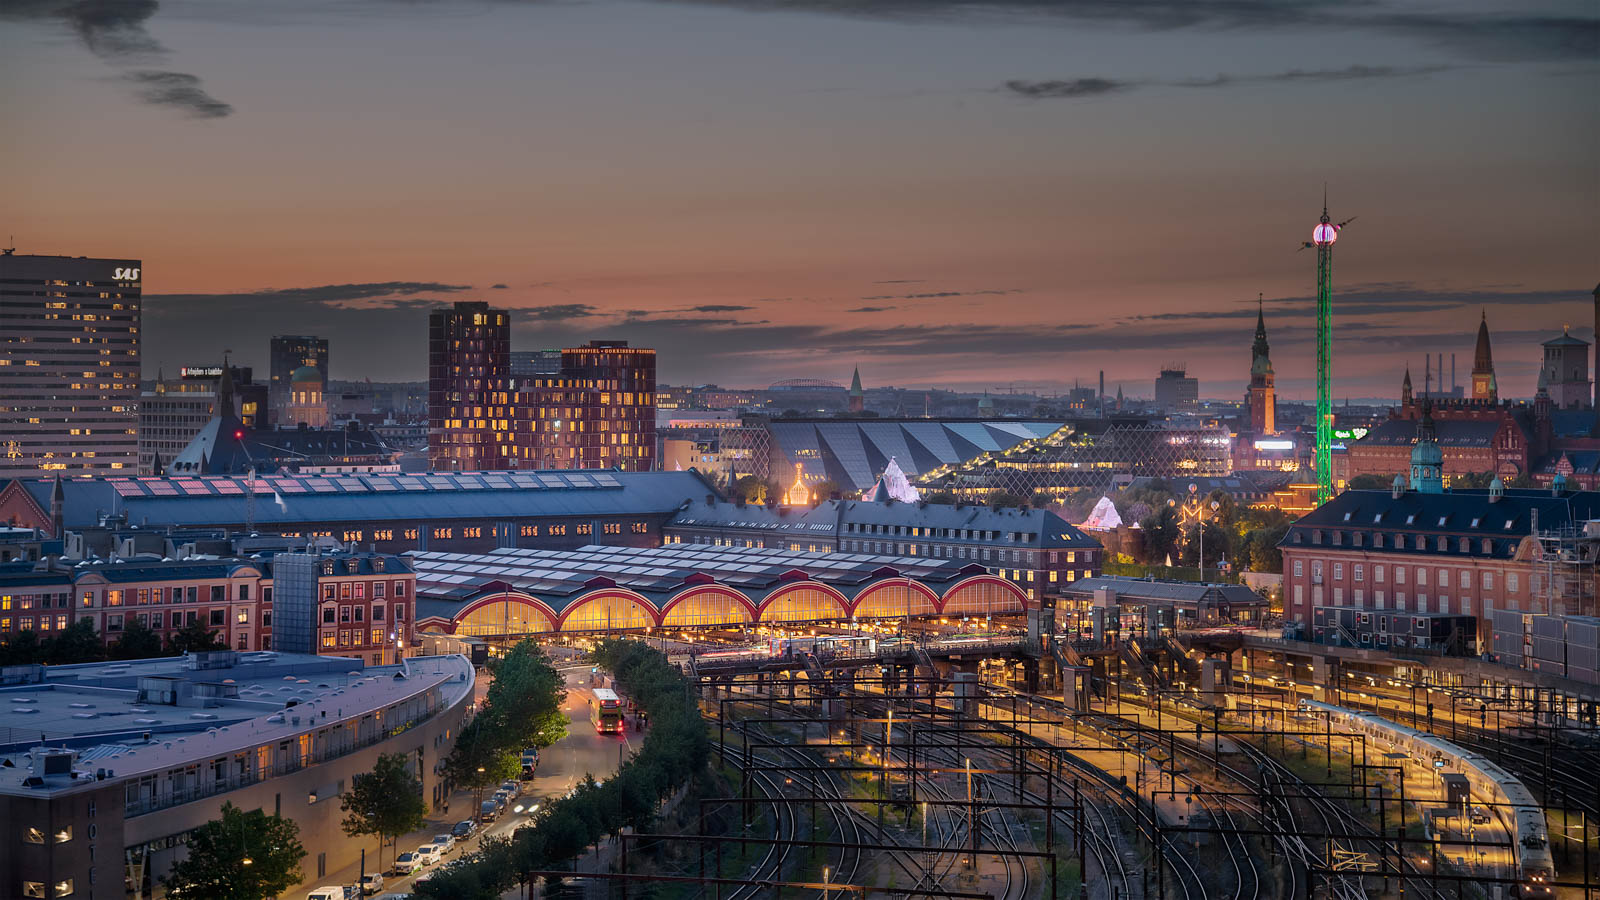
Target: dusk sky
x,y
958,194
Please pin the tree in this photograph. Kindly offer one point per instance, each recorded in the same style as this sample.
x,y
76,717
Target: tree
x,y
194,637
943,498
138,641
1003,499
1471,480
1161,534
1370,482
386,802
22,649
76,643
750,489
1041,500
241,856
479,760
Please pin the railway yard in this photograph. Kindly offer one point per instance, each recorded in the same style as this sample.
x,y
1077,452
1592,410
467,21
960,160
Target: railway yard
x,y
944,774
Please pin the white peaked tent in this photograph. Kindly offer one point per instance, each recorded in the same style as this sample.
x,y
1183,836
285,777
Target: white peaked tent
x,y
1104,517
894,485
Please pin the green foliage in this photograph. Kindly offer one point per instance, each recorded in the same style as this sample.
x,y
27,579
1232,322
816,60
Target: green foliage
x,y
386,802
194,637
749,489
1161,534
215,867
138,641
1005,499
522,708
674,749
1370,482
943,498
22,648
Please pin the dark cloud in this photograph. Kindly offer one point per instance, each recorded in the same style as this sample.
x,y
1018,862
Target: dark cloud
x,y
717,308
943,295
1077,87
112,28
333,295
1510,35
900,281
180,90
1348,73
497,287
115,31
1379,300
558,312
870,309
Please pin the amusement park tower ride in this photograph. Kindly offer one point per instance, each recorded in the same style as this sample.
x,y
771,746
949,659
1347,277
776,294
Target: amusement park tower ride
x,y
1322,238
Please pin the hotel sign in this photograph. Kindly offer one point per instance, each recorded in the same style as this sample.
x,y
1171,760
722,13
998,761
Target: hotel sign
x,y
122,274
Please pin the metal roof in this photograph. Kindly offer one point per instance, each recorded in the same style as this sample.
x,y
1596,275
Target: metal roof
x,y
561,575
297,499
1165,591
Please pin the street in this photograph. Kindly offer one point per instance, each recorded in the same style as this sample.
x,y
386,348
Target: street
x,y
561,767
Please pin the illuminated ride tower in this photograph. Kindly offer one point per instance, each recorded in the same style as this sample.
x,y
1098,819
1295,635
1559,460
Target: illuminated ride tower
x,y
1322,238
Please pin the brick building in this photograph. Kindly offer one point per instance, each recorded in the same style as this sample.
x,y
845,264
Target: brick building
x,y
1417,548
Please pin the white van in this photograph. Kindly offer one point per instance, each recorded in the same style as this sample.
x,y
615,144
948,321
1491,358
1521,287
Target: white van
x,y
333,892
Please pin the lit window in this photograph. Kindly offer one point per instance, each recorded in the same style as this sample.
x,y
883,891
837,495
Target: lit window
x,y
33,835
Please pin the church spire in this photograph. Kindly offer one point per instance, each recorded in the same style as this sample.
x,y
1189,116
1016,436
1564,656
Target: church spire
x,y
1260,361
1483,380
858,397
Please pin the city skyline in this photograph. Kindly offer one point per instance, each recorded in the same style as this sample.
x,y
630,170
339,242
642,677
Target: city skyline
x,y
943,196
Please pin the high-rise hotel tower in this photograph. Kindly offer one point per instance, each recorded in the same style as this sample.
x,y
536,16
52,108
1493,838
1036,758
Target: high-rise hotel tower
x,y
69,365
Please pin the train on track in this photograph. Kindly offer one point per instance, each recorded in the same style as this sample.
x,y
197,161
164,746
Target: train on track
x,y
1531,844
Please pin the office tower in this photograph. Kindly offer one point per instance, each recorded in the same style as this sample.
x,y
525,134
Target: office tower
x,y
69,365
291,352
469,353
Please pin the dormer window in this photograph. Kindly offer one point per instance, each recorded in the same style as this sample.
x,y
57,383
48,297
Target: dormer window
x,y
1411,519
1347,517
1475,521
1377,518
1508,524
1377,540
1316,536
1466,545
1441,520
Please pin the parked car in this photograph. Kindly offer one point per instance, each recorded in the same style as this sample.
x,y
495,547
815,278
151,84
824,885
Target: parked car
x,y
445,842
511,787
1479,816
464,829
370,884
407,862
487,811
430,854
530,762
500,799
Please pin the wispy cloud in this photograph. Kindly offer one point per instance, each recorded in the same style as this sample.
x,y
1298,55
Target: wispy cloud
x,y
115,31
558,312
943,295
870,309
1511,33
332,295
180,90
717,308
1078,88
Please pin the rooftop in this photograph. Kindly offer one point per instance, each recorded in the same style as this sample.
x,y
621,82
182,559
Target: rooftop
x,y
829,518
1166,591
558,577
115,716
296,499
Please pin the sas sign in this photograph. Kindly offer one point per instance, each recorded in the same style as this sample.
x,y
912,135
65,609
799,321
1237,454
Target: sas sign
x,y
127,274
